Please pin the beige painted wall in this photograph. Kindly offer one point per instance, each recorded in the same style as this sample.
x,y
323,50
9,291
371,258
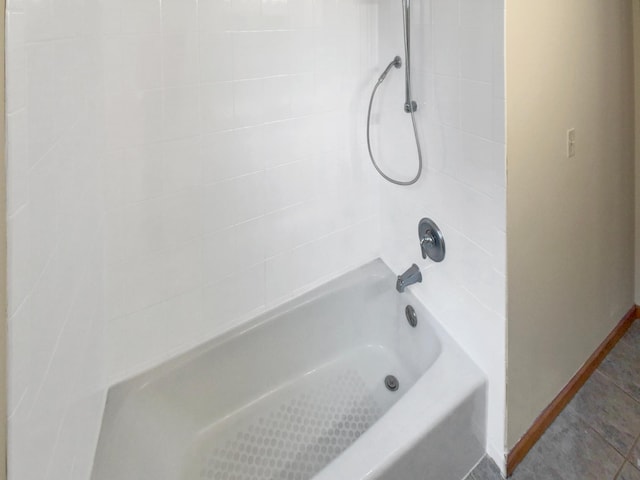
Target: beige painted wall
x,y
3,261
636,54
570,222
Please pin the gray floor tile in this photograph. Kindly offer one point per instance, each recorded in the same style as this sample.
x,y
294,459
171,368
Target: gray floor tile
x,y
524,473
629,472
634,456
621,366
486,470
570,450
633,334
609,411
585,441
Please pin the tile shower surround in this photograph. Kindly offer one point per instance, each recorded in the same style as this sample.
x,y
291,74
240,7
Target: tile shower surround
x,y
56,379
151,143
458,51
233,182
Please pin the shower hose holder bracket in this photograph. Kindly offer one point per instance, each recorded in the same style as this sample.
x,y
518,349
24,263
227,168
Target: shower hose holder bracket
x,y
410,107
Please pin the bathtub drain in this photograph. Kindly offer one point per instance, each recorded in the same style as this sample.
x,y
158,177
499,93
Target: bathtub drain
x,y
391,383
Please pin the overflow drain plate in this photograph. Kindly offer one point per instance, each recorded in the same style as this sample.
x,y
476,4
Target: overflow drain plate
x,y
412,316
391,383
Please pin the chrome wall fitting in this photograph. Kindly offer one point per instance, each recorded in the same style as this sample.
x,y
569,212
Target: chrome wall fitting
x,y
411,276
431,240
412,316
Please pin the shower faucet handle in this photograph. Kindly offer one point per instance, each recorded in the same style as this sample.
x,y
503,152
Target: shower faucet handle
x,y
427,240
431,240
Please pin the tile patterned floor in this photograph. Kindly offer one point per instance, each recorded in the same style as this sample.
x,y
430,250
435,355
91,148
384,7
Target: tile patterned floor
x,y
597,436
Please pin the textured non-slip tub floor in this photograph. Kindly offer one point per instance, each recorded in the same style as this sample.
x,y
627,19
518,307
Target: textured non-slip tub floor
x,y
292,432
295,439
597,436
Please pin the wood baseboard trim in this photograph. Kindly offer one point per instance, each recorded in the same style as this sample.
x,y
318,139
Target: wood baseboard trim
x,y
549,414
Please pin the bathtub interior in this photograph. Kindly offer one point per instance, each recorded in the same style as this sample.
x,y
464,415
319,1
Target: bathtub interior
x,y
278,398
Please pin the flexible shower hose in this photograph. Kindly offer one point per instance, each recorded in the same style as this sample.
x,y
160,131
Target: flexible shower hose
x,y
396,62
409,106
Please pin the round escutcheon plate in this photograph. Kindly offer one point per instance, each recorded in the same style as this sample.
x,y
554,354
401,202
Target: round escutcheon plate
x,y
431,240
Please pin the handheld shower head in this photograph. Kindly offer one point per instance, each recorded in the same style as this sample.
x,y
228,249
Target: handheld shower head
x,y
396,62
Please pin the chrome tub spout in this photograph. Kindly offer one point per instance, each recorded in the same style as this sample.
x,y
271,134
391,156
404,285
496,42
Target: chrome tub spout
x,y
411,276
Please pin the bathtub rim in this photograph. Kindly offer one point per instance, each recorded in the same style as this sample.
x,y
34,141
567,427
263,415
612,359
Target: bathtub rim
x,y
449,353
374,269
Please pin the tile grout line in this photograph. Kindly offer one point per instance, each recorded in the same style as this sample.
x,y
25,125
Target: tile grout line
x,y
616,476
636,401
636,443
617,385
625,456
599,435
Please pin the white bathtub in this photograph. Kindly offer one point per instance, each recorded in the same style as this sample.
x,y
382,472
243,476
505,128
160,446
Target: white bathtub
x,y
299,393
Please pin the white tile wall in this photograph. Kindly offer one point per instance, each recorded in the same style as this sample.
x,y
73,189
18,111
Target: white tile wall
x,y
57,367
458,52
206,158
231,179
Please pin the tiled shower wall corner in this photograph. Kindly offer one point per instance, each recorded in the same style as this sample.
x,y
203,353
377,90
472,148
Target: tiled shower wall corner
x,y
234,180
230,137
458,50
56,324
